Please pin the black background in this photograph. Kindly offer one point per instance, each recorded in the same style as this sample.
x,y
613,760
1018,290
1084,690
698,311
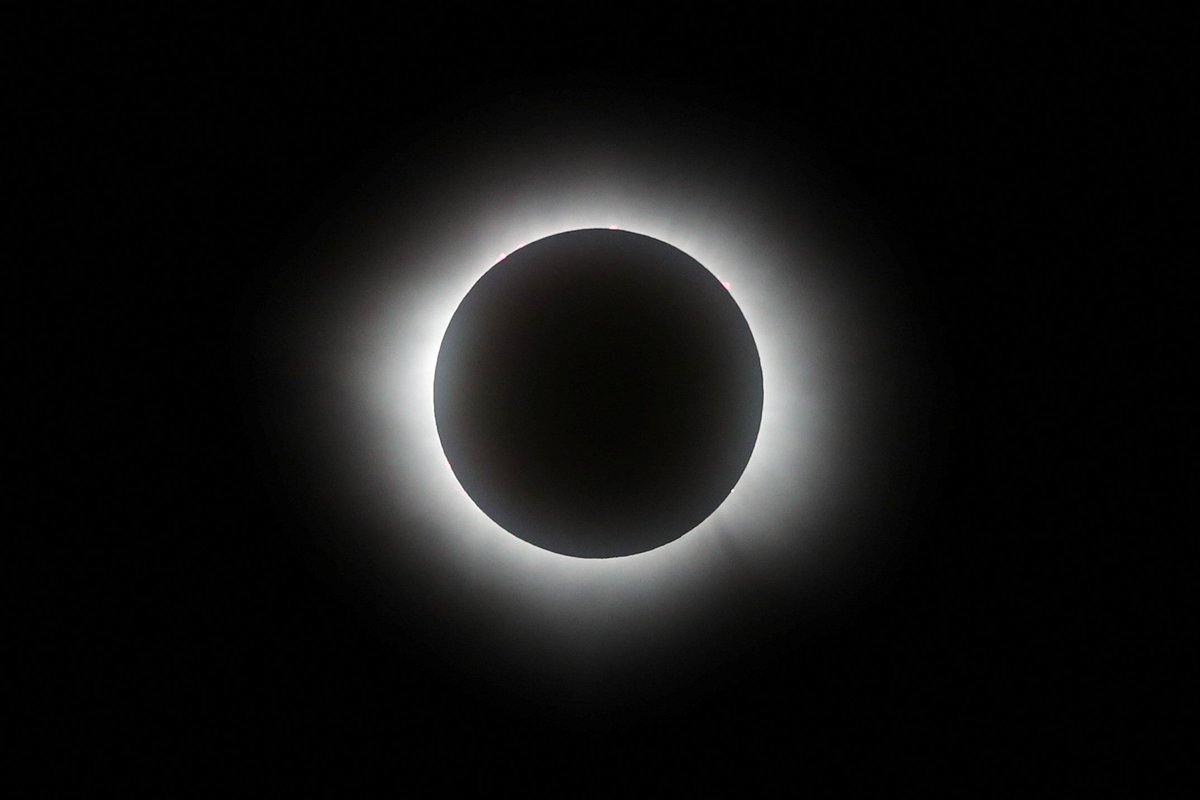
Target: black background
x,y
191,152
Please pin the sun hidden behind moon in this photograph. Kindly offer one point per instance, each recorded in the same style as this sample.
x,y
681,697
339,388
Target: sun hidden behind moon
x,y
598,393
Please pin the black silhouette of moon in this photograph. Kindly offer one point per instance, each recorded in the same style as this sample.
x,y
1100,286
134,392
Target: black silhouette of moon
x,y
598,393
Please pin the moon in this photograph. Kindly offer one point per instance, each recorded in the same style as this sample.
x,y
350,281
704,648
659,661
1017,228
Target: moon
x,y
598,393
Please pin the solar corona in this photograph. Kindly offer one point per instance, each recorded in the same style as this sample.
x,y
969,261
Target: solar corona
x,y
575,396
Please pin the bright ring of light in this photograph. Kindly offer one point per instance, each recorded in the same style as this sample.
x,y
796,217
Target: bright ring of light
x,y
379,339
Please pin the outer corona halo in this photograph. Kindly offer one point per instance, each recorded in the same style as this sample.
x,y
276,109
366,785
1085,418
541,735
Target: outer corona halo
x,y
598,393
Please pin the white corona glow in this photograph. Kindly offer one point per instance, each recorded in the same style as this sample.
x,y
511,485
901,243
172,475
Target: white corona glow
x,y
780,479
380,342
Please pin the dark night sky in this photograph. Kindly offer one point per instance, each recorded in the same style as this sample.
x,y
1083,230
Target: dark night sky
x,y
199,151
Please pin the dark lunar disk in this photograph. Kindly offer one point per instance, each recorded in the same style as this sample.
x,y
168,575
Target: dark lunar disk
x,y
598,393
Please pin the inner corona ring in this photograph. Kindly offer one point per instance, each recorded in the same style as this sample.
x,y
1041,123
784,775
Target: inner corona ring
x,y
598,393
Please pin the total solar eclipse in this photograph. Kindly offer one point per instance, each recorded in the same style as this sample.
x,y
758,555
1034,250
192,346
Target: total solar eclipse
x,y
598,393
591,398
